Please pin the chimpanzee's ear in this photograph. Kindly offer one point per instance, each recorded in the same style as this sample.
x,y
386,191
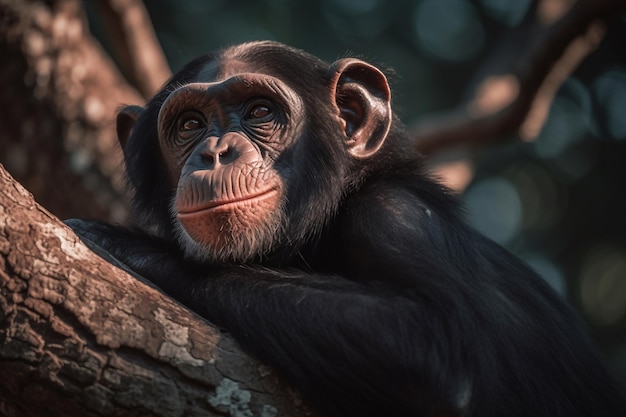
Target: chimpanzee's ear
x,y
363,99
125,121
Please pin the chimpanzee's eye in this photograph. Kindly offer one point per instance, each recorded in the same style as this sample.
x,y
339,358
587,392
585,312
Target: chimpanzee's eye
x,y
261,110
190,124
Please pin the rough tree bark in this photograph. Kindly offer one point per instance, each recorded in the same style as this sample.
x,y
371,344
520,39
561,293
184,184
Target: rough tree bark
x,y
81,337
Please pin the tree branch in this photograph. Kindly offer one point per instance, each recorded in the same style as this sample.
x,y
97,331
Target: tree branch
x,y
523,73
135,44
80,337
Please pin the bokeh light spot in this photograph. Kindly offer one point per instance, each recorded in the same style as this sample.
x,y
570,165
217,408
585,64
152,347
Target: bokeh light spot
x,y
567,123
450,30
543,199
610,92
603,284
494,209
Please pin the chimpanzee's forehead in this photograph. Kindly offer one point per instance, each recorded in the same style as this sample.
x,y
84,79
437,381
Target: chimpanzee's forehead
x,y
222,69
262,57
233,61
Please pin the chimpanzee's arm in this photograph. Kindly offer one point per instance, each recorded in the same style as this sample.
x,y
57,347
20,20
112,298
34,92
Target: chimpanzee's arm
x,y
492,337
354,349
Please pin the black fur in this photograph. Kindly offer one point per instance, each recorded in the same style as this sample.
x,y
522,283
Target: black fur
x,y
380,301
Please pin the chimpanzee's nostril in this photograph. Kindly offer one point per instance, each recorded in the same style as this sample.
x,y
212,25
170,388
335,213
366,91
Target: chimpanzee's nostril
x,y
224,156
209,158
227,156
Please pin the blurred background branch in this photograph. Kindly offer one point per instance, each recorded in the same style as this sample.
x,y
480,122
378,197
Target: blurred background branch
x,y
519,78
135,44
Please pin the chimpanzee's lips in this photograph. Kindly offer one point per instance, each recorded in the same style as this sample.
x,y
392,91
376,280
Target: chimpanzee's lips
x,y
228,205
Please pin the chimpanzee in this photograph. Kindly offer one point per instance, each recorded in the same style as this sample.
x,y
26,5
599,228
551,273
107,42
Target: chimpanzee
x,y
286,205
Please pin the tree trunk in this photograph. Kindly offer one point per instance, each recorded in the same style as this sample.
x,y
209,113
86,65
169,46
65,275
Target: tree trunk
x,y
60,93
81,337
